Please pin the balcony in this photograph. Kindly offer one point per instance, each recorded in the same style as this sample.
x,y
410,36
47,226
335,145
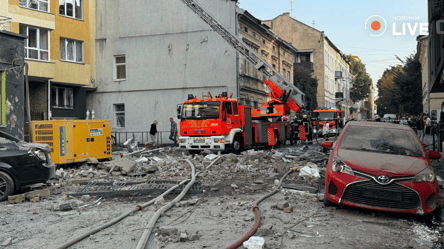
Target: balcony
x,y
5,23
304,65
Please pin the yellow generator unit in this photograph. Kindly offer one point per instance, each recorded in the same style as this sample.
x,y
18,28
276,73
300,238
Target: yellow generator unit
x,y
74,140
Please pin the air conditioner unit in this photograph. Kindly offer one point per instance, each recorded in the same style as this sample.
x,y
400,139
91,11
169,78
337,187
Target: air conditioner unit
x,y
440,27
338,75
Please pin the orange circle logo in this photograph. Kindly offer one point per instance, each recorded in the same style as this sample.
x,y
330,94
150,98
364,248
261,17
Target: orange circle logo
x,y
376,25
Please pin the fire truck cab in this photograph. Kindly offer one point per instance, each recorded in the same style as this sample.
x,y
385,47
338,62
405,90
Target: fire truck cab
x,y
333,117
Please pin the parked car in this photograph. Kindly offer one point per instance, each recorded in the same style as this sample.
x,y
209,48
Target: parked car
x,y
389,117
381,166
22,164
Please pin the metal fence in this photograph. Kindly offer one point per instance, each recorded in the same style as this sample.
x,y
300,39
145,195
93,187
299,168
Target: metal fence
x,y
141,137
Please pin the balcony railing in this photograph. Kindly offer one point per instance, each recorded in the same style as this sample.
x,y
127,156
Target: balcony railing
x,y
5,23
305,65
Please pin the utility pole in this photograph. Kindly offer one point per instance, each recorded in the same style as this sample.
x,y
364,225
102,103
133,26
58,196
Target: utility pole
x,y
314,23
291,11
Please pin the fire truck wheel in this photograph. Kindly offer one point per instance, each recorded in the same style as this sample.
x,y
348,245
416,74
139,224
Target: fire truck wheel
x,y
194,152
237,145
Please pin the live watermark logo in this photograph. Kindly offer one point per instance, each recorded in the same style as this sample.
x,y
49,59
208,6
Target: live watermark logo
x,y
401,26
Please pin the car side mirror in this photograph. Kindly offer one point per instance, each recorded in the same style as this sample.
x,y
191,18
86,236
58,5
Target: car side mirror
x,y
327,144
434,155
179,111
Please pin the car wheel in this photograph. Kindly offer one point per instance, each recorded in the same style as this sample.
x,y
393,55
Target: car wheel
x,y
194,152
237,145
327,203
6,186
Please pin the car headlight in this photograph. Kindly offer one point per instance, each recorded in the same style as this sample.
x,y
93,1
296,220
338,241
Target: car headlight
x,y
427,175
339,166
183,140
39,153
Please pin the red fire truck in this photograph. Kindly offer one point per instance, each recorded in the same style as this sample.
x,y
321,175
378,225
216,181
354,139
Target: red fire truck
x,y
334,117
221,123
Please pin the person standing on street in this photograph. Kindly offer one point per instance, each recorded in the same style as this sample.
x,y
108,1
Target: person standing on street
x,y
153,132
173,131
428,124
420,128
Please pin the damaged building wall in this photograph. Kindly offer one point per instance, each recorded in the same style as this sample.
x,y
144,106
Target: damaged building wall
x,y
12,99
167,52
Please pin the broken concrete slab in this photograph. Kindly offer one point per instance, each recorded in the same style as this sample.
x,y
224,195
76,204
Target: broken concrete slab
x,y
288,210
282,205
13,199
92,160
300,187
254,243
37,193
164,231
7,242
183,237
78,181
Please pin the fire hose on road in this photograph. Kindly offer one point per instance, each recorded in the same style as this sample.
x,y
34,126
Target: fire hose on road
x,y
257,214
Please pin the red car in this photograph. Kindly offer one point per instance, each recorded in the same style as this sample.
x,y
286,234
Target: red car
x,y
381,166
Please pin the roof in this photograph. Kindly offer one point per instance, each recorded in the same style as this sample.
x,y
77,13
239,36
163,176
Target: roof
x,y
320,32
264,28
13,34
380,125
305,50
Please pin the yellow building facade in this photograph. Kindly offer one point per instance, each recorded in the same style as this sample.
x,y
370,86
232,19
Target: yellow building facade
x,y
60,52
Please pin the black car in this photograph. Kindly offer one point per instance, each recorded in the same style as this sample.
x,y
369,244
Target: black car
x,y
22,164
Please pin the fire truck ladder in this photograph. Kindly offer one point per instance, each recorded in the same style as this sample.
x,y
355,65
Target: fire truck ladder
x,y
260,64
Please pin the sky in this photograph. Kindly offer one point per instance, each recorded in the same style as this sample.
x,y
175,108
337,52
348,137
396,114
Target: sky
x,y
344,22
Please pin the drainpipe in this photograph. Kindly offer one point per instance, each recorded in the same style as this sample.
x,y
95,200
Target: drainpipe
x,y
236,25
49,99
28,106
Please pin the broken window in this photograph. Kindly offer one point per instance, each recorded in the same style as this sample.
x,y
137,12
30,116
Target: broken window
x,y
37,44
120,68
71,8
71,50
41,5
119,110
62,97
381,140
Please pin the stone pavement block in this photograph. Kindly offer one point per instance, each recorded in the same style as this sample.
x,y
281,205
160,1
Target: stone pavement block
x,y
38,193
16,198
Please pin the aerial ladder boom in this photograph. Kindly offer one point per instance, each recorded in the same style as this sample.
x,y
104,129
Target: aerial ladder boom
x,y
278,84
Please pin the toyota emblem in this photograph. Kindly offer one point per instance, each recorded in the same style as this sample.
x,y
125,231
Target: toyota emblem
x,y
383,179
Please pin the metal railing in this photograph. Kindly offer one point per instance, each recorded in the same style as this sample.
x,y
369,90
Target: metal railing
x,y
142,137
5,23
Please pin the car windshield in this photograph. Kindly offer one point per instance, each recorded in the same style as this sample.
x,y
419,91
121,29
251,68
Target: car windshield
x,y
326,115
201,110
381,140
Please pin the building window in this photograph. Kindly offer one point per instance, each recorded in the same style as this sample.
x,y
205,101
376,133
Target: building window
x,y
274,48
254,34
71,8
246,29
62,97
263,41
288,75
284,72
119,110
37,44
120,67
41,5
305,57
71,50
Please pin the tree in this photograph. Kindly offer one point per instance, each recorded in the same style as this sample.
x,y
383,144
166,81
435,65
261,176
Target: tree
x,y
386,88
407,92
361,79
304,80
